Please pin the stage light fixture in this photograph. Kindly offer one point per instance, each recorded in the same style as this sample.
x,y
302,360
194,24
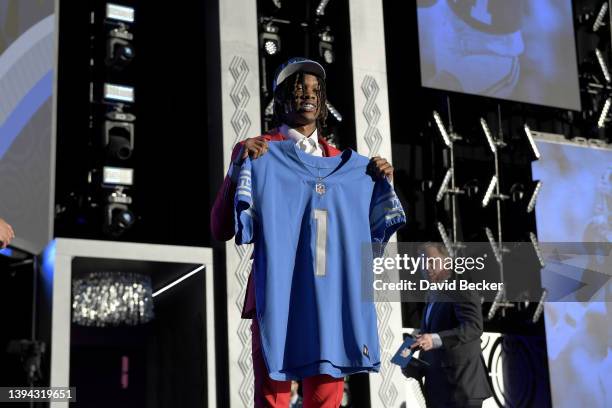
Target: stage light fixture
x,y
488,135
496,304
599,20
540,308
536,248
117,176
118,217
494,246
119,48
603,116
119,13
119,133
602,65
489,192
442,129
270,40
116,92
517,192
532,143
119,139
444,187
534,197
271,47
321,7
326,48
446,240
334,112
327,52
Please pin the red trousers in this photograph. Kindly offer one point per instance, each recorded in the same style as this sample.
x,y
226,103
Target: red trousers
x,y
319,391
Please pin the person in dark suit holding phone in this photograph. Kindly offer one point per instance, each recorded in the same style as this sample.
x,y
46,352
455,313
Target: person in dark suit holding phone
x,y
449,341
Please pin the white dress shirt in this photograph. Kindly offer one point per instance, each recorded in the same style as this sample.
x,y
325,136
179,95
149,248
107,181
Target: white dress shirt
x,y
309,144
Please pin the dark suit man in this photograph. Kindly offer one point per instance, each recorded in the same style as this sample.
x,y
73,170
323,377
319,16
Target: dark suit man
x,y
450,343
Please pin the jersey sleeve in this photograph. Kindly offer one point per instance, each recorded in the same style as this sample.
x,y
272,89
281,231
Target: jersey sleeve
x,y
386,212
244,209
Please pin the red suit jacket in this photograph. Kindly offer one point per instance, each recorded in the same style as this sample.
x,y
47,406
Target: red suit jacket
x,y
222,214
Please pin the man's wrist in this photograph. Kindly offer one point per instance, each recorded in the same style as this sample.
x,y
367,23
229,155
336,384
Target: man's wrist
x,y
436,340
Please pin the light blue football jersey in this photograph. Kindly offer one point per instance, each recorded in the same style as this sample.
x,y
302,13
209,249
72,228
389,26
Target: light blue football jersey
x,y
310,219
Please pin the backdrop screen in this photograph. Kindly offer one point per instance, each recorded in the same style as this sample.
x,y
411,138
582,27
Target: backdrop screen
x,y
521,50
27,52
575,205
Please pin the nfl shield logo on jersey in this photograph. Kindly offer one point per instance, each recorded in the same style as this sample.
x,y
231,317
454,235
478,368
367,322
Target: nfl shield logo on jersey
x,y
320,188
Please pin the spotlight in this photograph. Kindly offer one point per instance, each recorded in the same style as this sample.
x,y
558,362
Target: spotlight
x,y
599,21
270,40
327,53
119,139
532,143
444,186
446,240
331,109
119,134
118,217
321,7
496,304
445,136
120,93
117,176
534,197
603,65
489,193
488,135
494,246
326,50
603,116
540,308
271,47
536,248
119,49
120,13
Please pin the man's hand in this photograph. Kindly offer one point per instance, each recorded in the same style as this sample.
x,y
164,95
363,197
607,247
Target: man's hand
x,y
382,167
423,342
254,147
6,233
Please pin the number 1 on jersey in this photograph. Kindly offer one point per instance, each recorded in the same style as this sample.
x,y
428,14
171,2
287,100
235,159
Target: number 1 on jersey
x,y
320,217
